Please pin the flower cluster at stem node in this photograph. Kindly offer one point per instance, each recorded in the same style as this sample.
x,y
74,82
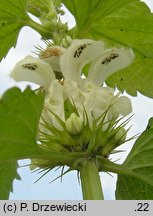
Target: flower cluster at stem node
x,y
80,113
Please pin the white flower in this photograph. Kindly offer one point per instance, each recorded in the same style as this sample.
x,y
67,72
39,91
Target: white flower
x,y
104,61
85,93
80,53
52,56
38,71
33,70
122,105
54,102
111,61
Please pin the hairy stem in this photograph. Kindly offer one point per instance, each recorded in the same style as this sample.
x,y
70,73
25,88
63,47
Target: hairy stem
x,y
90,181
45,33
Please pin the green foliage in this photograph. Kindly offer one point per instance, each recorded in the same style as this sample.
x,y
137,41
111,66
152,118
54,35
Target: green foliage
x,y
8,172
126,23
44,9
138,183
13,17
19,117
150,124
120,23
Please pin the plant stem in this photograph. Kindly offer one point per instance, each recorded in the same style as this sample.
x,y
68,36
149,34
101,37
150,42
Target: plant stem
x,y
39,28
90,181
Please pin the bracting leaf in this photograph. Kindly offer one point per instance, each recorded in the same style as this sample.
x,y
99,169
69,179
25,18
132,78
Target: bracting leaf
x,y
8,172
138,183
19,117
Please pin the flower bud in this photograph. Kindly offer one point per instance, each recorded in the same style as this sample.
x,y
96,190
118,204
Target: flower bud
x,y
74,124
113,140
121,135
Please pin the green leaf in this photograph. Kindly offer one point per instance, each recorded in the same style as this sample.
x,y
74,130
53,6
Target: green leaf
x,y
137,184
7,174
13,17
19,117
150,124
126,23
43,9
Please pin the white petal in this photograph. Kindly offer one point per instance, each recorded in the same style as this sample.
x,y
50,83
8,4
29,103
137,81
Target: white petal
x,y
52,56
33,70
122,106
54,102
76,96
111,61
99,100
80,53
87,86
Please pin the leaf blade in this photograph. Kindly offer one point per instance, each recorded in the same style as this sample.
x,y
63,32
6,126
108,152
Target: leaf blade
x,y
140,162
13,17
8,172
19,117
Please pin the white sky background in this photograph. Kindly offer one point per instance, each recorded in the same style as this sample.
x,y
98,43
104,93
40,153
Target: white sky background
x,y
69,188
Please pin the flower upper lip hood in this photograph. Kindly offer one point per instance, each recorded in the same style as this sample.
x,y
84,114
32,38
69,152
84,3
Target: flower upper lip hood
x,y
33,70
52,56
111,61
